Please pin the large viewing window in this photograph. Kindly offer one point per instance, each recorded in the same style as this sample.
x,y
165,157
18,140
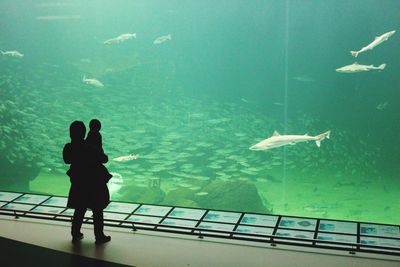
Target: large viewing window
x,y
186,90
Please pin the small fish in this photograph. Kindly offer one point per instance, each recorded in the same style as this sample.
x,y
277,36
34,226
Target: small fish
x,y
58,17
382,106
355,67
378,40
92,81
116,175
162,39
304,79
126,158
278,104
13,53
121,38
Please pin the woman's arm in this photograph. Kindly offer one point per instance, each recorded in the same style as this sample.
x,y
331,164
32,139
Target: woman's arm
x,y
67,154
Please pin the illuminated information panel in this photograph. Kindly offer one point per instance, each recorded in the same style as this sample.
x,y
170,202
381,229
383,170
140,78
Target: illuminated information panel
x,y
272,229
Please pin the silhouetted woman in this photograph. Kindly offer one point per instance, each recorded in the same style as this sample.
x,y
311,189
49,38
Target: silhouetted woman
x,y
87,189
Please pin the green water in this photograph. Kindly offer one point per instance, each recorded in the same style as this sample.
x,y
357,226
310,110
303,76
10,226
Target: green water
x,y
233,72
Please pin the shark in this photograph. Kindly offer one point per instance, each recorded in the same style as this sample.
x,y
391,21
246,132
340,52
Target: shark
x,y
92,81
278,140
13,53
355,67
377,41
120,38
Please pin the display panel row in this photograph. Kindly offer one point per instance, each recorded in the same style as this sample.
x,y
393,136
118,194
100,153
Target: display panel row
x,y
222,223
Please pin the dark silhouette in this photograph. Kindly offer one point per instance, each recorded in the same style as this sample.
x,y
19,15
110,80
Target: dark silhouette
x,y
87,189
94,138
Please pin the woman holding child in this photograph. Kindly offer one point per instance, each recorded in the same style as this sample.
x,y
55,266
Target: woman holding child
x,y
88,178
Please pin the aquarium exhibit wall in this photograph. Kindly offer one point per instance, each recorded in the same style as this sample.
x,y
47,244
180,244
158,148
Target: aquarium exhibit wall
x,y
255,106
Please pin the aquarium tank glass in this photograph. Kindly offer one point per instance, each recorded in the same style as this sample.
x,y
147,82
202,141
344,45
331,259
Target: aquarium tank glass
x,y
256,106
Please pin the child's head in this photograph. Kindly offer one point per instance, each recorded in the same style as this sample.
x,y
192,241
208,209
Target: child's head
x,y
95,125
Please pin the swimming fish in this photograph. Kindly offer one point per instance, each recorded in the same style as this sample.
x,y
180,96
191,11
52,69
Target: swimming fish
x,y
277,140
278,104
126,158
355,67
382,106
121,38
92,81
378,40
13,53
116,175
162,39
303,79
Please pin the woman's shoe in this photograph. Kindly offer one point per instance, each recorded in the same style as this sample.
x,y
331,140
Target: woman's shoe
x,y
103,239
77,238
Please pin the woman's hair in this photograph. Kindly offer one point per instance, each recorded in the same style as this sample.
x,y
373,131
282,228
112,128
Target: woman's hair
x,y
77,131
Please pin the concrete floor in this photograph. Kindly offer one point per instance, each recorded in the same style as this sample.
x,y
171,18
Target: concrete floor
x,y
146,248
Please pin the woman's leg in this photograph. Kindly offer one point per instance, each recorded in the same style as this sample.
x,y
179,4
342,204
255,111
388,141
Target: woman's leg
x,y
98,221
77,222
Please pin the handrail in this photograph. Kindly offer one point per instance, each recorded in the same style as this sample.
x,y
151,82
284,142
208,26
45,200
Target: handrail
x,y
201,232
